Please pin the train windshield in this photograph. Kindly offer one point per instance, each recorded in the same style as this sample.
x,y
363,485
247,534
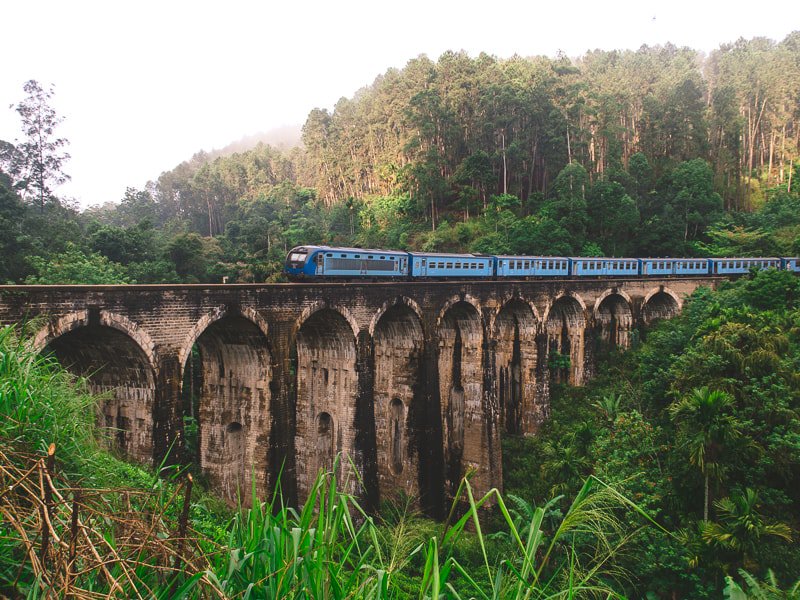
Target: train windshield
x,y
298,255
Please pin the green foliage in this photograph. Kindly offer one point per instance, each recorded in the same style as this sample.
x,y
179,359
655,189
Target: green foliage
x,y
703,413
73,266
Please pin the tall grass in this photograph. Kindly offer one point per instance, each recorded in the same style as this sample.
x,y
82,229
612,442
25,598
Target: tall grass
x,y
40,403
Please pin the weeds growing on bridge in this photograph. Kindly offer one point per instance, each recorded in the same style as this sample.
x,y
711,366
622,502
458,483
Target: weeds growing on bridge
x,y
66,532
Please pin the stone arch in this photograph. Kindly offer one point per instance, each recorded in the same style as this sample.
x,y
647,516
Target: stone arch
x,y
211,317
611,291
515,328
72,321
452,301
228,394
411,304
613,318
118,360
564,296
565,327
327,382
398,346
321,305
460,366
660,303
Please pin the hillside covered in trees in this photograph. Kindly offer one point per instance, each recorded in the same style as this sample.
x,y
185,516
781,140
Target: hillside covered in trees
x,y
660,151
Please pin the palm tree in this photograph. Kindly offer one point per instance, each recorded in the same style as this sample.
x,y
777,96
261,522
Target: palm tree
x,y
741,527
769,589
705,428
566,466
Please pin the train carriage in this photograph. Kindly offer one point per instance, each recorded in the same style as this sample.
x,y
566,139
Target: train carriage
x,y
741,266
675,266
532,266
791,264
604,267
432,264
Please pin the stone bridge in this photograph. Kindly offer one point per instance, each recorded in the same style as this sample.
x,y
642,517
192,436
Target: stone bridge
x,y
414,383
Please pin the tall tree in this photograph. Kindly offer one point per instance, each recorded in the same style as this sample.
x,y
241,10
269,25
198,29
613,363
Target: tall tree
x,y
36,163
706,426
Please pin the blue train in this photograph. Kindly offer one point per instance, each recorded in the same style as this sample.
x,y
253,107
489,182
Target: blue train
x,y
326,262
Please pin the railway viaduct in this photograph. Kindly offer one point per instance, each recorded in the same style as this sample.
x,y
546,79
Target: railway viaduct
x,y
414,383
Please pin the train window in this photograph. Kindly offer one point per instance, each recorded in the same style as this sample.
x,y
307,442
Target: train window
x,y
424,260
449,266
519,264
329,254
527,264
357,256
371,257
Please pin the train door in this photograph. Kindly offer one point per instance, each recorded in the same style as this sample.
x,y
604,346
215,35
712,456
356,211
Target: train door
x,y
319,262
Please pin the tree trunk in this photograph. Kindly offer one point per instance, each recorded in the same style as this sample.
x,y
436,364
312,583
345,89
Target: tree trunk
x,y
705,499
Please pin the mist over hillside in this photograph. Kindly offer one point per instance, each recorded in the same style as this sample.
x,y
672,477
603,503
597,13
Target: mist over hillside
x,y
283,138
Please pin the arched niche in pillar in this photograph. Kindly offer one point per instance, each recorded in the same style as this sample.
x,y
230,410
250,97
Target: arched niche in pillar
x,y
515,360
613,322
118,370
461,391
398,347
660,304
566,331
226,395
327,388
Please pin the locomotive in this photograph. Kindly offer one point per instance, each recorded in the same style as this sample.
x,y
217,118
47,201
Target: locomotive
x,y
320,263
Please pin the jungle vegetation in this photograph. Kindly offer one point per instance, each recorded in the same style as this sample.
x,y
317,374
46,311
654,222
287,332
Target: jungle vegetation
x,y
655,152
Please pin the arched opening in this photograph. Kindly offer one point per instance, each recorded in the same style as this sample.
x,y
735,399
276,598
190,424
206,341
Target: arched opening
x,y
398,398
461,391
515,359
614,321
566,330
226,399
661,305
118,370
327,383
324,455
397,413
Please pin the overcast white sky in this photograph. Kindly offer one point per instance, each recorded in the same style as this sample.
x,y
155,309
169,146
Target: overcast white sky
x,y
144,85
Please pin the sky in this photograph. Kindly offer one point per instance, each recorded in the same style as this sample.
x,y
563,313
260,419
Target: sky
x,y
144,85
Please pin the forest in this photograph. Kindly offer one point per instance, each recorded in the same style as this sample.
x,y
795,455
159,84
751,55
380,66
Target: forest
x,y
673,474
655,152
